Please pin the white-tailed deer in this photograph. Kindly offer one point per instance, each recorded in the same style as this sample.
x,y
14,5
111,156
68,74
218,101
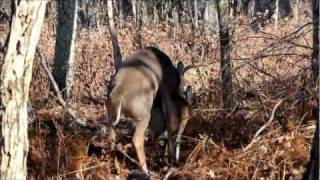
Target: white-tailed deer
x,y
174,127
178,111
145,80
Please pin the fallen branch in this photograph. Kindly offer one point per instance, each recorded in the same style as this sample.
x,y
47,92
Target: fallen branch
x,y
265,125
208,110
82,170
171,172
56,89
192,66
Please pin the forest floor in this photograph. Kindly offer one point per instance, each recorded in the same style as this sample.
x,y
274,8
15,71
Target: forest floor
x,y
268,66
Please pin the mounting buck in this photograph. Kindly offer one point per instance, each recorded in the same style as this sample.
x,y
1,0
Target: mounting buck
x,y
148,83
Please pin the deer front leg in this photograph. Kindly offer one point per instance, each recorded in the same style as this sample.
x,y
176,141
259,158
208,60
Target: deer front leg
x,y
138,142
172,122
171,145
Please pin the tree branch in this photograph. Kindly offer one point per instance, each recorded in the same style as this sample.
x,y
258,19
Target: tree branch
x,y
56,89
265,125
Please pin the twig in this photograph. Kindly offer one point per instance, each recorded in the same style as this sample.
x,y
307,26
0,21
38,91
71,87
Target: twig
x,y
233,110
192,66
127,156
263,72
265,125
85,169
209,110
116,147
169,173
70,111
284,172
196,151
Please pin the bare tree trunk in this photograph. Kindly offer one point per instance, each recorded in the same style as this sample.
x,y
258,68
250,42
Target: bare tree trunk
x,y
312,171
65,45
251,9
211,17
120,13
315,52
134,10
179,6
312,168
225,48
144,11
155,13
86,13
296,10
276,15
171,32
114,37
196,15
139,25
15,81
206,17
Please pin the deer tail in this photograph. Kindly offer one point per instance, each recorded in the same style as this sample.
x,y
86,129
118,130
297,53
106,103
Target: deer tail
x,y
118,109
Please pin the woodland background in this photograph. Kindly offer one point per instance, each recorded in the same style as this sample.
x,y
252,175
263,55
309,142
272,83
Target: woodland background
x,y
269,54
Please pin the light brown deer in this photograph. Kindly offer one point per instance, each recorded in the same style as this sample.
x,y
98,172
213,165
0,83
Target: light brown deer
x,y
145,80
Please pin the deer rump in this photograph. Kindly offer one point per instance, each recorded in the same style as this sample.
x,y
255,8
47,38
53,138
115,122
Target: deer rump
x,y
146,81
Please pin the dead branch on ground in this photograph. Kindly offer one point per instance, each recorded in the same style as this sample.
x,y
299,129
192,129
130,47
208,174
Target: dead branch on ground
x,y
56,89
265,125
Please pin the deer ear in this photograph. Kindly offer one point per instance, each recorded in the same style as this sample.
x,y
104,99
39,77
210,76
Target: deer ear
x,y
180,68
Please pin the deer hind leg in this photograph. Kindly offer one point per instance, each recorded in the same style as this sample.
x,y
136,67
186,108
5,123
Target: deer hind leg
x,y
138,141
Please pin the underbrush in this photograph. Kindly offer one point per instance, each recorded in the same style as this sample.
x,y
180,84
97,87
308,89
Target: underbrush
x,y
267,66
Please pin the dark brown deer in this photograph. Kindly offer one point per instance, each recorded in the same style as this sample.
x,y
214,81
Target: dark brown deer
x,y
174,127
179,112
145,80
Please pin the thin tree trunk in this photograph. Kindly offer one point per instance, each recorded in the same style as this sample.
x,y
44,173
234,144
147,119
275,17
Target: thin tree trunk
x,y
120,13
65,45
144,12
114,37
312,171
155,13
225,48
211,17
134,10
165,11
180,10
170,19
206,17
14,87
315,52
296,11
276,15
196,15
139,25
